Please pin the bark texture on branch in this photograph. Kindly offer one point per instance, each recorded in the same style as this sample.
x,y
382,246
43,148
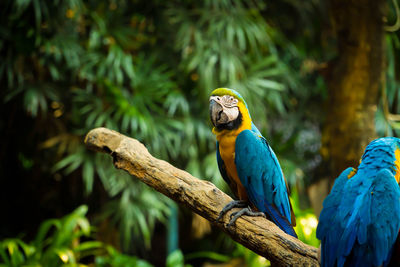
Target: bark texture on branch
x,y
255,233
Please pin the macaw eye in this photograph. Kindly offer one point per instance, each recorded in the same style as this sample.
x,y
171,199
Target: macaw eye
x,y
218,98
231,99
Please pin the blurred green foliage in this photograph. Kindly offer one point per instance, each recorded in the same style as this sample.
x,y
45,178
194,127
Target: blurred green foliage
x,y
145,69
64,242
306,222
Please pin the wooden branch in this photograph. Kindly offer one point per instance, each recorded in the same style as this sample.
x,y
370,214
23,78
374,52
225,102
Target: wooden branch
x,y
255,233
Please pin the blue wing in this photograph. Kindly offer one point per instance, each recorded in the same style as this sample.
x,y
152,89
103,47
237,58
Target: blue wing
x,y
325,230
261,175
360,220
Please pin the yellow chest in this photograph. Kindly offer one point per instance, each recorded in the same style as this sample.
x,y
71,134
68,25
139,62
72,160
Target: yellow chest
x,y
227,152
227,140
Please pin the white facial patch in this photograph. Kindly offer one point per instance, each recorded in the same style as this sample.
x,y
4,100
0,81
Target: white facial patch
x,y
232,113
229,108
227,101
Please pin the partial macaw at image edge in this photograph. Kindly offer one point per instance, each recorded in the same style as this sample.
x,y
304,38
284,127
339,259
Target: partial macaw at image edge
x,y
360,220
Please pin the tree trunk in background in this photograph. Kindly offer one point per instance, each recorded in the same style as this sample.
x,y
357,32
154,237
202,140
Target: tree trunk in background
x,y
354,80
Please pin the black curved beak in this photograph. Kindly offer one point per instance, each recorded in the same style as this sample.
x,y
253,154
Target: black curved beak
x,y
215,112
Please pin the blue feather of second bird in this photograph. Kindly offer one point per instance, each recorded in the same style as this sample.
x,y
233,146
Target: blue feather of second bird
x,y
261,175
361,216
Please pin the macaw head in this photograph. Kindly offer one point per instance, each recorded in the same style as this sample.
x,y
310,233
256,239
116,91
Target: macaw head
x,y
228,110
383,153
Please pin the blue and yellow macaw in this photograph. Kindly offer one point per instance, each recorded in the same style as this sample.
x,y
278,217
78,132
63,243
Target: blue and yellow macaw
x,y
360,220
247,163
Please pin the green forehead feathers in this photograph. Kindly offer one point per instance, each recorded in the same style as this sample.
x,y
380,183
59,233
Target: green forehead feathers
x,y
227,91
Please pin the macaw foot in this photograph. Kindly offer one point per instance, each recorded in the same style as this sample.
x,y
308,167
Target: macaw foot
x,y
246,211
231,205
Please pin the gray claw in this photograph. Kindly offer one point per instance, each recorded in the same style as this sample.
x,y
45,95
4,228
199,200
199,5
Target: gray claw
x,y
246,211
231,205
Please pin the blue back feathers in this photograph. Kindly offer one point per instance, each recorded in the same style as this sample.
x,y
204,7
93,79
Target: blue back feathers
x,y
260,173
360,221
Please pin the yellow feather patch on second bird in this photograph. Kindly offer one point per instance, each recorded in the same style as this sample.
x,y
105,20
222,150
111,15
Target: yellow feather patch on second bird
x,y
397,164
352,173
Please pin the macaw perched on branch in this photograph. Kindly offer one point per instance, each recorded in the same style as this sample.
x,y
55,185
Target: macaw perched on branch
x,y
247,163
360,220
